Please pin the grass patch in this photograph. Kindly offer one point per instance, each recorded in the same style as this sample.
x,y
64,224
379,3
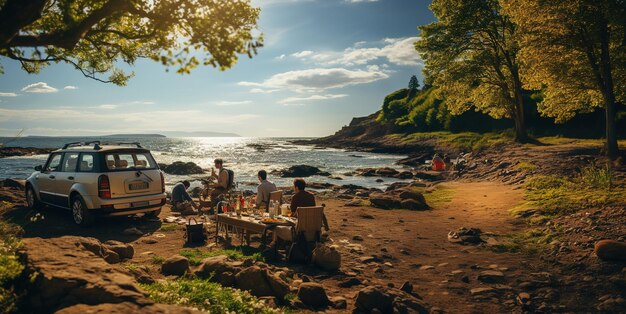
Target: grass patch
x,y
196,256
439,196
157,260
205,295
168,227
529,242
10,266
526,166
464,141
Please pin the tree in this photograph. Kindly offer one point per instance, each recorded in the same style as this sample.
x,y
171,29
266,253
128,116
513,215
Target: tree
x,y
575,51
413,86
470,54
94,35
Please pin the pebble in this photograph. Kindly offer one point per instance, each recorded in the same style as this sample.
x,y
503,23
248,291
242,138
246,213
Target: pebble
x,y
357,238
491,276
427,267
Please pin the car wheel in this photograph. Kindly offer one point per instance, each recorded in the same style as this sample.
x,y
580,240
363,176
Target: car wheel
x,y
153,214
31,198
81,214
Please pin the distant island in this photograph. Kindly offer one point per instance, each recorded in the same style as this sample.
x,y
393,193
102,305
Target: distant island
x,y
135,135
152,135
199,134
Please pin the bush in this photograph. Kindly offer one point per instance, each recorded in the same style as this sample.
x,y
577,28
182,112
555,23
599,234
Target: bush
x,y
205,295
10,265
196,256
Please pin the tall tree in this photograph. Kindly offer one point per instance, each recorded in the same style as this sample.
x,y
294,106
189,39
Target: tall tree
x,y
575,50
94,35
471,56
413,86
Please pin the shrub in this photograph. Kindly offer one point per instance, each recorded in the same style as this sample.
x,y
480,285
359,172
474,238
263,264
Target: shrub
x,y
10,265
196,256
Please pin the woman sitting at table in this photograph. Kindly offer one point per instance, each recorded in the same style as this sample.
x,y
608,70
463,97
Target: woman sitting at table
x,y
301,198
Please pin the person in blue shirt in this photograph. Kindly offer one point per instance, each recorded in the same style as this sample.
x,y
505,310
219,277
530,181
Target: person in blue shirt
x,y
181,200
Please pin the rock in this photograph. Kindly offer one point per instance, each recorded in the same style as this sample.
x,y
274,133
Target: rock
x,y
111,257
465,236
610,250
404,175
482,291
350,282
354,203
374,299
491,276
124,250
407,287
302,171
430,175
396,185
326,257
414,205
213,267
126,307
357,238
366,216
415,160
63,273
387,172
176,265
313,295
401,198
141,275
380,180
183,168
523,298
260,283
132,231
339,303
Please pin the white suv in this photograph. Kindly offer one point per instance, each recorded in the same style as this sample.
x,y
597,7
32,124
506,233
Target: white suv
x,y
93,178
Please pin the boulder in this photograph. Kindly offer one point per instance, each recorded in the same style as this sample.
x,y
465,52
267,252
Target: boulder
x,y
111,257
64,273
388,300
326,257
260,283
610,250
183,168
404,175
313,295
124,250
384,201
387,172
301,171
218,269
396,185
176,265
400,198
413,205
142,275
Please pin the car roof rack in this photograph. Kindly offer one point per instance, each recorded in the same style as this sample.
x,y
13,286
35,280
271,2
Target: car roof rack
x,y
123,143
96,144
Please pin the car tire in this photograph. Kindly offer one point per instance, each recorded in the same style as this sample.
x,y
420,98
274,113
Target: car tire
x,y
80,213
31,198
153,214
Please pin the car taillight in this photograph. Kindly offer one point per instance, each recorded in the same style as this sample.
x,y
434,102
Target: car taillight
x,y
162,183
104,187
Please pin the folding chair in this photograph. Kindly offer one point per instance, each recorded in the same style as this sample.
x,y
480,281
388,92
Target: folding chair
x,y
309,225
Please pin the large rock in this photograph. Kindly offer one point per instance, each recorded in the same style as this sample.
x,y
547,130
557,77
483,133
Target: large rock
x,y
313,295
386,172
388,300
261,283
218,269
399,198
126,308
64,273
610,250
124,250
183,168
176,265
326,257
301,171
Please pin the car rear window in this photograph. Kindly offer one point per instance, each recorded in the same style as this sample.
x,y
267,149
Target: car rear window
x,y
121,161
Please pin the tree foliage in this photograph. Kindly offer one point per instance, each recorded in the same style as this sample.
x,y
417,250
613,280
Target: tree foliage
x,y
95,35
575,51
470,54
414,83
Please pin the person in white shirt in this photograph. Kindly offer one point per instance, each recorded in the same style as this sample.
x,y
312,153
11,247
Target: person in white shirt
x,y
264,189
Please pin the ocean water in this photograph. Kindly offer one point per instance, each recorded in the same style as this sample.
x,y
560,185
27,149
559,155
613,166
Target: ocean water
x,y
241,154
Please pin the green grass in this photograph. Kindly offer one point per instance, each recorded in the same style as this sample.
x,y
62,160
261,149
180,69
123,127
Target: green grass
x,y
205,295
533,241
168,227
157,260
196,256
10,266
464,141
526,166
439,196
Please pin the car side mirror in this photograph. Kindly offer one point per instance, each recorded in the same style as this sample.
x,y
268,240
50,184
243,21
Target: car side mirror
x,y
39,168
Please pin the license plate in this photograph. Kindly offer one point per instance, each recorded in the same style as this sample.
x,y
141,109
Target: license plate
x,y
138,186
139,204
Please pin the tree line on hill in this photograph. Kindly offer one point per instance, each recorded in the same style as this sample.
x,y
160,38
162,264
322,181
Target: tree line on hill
x,y
528,61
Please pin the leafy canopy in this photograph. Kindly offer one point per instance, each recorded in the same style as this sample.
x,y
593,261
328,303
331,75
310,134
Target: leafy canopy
x,y
96,35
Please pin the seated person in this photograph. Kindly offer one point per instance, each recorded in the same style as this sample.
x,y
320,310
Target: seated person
x,y
221,186
264,189
181,200
301,198
438,164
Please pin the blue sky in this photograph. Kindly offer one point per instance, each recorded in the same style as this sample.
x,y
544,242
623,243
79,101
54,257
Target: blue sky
x,y
324,62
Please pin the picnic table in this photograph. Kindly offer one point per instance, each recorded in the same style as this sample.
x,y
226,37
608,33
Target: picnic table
x,y
244,225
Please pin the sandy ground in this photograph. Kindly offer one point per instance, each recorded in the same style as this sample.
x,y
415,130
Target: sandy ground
x,y
408,245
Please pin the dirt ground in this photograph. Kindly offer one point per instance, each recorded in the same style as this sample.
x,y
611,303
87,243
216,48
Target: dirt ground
x,y
386,247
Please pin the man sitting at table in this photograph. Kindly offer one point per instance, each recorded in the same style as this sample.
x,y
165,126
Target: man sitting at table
x,y
222,177
264,189
301,198
181,200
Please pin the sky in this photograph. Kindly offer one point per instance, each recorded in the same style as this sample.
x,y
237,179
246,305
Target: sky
x,y
323,63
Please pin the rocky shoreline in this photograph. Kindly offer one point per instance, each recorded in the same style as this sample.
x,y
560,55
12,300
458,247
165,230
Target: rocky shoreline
x,y
23,151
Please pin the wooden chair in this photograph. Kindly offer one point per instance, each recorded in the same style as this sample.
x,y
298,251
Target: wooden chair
x,y
276,196
309,225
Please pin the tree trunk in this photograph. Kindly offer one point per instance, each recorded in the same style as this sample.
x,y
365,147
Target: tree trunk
x,y
520,120
608,93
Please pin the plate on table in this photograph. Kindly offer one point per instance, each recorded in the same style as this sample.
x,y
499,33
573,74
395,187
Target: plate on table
x,y
274,221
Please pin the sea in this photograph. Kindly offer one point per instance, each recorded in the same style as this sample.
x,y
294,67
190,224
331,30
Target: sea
x,y
244,155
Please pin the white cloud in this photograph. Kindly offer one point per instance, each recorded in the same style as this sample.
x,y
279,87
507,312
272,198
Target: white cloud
x,y
107,107
39,88
281,57
128,105
233,103
8,94
399,51
292,100
318,79
302,54
70,87
262,91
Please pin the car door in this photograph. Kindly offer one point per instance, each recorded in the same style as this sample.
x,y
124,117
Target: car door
x,y
65,178
47,178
